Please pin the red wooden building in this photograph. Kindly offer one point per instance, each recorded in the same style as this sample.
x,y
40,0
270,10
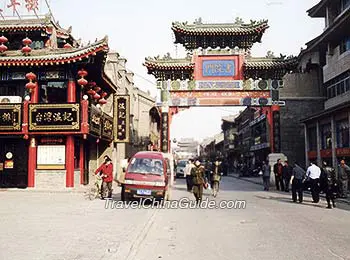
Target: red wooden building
x,y
53,92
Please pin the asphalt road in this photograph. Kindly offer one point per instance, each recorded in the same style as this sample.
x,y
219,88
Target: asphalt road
x,y
56,226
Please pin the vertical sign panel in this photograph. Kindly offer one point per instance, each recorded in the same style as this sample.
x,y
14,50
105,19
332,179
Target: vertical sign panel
x,y
276,131
164,134
122,115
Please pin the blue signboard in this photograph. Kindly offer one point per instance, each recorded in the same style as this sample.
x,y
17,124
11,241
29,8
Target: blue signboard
x,y
218,68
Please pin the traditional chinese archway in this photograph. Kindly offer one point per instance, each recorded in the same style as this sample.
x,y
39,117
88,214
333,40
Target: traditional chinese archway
x,y
219,71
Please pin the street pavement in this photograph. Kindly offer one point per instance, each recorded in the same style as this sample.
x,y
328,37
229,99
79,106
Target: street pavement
x,y
57,226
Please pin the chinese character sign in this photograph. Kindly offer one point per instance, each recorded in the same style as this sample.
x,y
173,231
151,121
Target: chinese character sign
x,y
164,133
276,132
10,117
218,68
54,117
122,117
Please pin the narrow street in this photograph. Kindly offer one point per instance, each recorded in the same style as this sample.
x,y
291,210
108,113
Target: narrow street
x,y
68,226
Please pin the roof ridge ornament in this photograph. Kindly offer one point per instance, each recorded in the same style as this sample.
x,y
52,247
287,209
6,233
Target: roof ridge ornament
x,y
198,21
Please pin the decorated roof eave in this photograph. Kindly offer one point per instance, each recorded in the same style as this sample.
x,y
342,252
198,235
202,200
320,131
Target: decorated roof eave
x,y
271,64
215,29
332,32
168,64
318,10
59,57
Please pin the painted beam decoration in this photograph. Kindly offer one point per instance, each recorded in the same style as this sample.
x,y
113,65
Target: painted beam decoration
x,y
122,134
10,117
54,117
220,98
107,127
95,121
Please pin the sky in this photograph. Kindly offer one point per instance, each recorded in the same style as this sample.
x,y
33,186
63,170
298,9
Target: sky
x,y
140,28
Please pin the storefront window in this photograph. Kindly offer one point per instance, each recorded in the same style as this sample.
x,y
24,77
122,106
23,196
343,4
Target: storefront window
x,y
312,139
53,92
343,133
326,136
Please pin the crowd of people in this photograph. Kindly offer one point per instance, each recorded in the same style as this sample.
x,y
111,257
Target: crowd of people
x,y
316,179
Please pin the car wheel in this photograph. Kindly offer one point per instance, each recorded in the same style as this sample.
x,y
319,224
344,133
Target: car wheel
x,y
122,194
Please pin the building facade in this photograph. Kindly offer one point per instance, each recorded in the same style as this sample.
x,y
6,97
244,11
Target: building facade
x,y
56,105
327,132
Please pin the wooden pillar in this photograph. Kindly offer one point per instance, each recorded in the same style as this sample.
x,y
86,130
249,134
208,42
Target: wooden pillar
x,y
334,144
32,157
71,97
318,143
306,138
82,162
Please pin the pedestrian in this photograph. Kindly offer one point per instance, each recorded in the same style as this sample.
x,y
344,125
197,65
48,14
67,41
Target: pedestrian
x,y
328,181
277,170
216,177
198,181
297,179
287,172
313,176
187,171
266,172
344,173
106,171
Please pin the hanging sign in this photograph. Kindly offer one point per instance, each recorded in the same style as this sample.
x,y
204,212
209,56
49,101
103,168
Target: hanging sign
x,y
107,127
54,117
10,117
164,134
122,118
95,121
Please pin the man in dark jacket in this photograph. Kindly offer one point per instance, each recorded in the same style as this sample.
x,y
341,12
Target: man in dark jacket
x,y
298,177
198,181
277,170
287,173
328,181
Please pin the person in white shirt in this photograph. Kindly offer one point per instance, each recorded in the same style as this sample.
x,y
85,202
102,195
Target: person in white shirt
x,y
313,176
187,171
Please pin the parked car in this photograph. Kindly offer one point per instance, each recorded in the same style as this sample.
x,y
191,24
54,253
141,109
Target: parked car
x,y
180,169
147,176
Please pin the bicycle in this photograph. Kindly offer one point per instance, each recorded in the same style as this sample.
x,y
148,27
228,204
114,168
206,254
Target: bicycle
x,y
96,189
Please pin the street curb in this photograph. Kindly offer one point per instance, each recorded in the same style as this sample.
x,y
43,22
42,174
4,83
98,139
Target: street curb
x,y
307,192
44,191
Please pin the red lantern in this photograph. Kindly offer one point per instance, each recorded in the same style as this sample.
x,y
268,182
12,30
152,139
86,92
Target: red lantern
x,y
102,101
3,39
67,46
3,47
91,92
97,96
27,41
97,89
30,76
103,94
82,73
30,85
26,49
92,84
82,82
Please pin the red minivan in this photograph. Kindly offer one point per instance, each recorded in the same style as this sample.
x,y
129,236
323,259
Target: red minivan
x,y
147,176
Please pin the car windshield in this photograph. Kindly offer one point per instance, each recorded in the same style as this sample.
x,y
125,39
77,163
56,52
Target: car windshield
x,y
182,163
146,166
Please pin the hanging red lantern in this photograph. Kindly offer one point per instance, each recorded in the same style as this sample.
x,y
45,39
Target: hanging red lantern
x,y
97,96
27,41
104,94
3,39
82,82
97,89
3,48
92,84
91,92
82,73
30,85
26,49
67,46
102,101
30,76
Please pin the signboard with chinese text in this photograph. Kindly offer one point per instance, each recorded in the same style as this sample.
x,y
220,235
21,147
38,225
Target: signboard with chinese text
x,y
54,117
107,127
10,117
95,121
276,132
122,119
51,157
164,133
218,68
